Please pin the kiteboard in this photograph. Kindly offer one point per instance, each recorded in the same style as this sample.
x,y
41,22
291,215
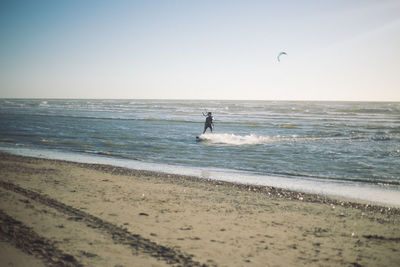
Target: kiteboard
x,y
199,139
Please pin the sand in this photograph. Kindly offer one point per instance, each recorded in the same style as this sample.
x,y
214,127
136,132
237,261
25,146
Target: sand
x,y
59,213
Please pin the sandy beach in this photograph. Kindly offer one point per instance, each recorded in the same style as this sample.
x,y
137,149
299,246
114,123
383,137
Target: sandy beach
x,y
57,213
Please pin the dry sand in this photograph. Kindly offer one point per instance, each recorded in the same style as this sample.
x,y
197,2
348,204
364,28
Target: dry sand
x,y
69,214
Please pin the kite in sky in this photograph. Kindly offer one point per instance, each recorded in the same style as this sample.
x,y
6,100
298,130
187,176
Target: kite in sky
x,y
280,54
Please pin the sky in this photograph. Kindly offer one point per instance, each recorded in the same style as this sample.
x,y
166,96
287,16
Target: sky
x,y
210,49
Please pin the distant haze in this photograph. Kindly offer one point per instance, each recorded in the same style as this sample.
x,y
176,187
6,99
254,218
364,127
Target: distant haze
x,y
336,50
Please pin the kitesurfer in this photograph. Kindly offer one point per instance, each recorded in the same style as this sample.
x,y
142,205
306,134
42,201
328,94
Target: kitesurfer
x,y
209,122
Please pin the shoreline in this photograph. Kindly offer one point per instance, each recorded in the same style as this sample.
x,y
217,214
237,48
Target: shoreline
x,y
332,189
269,190
96,215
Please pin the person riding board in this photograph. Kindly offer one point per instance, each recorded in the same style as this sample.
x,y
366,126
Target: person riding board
x,y
209,122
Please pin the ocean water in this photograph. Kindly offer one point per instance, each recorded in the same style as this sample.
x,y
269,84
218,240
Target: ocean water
x,y
349,149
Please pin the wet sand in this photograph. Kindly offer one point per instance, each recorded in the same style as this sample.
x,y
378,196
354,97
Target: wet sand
x,y
59,213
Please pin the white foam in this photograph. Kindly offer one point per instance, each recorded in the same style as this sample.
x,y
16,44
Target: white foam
x,y
232,139
381,194
44,104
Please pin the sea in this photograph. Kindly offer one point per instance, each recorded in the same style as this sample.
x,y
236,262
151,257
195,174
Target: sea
x,y
339,149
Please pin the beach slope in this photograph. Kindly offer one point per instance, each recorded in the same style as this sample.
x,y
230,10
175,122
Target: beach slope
x,y
74,214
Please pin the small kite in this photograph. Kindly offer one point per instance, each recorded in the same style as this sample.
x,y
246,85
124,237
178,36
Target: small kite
x,y
280,54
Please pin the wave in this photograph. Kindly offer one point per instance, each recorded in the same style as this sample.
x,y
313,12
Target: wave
x,y
64,142
253,139
382,110
105,117
111,155
369,180
7,140
232,139
105,153
289,125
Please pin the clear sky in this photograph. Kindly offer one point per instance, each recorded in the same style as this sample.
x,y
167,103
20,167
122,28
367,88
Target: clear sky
x,y
208,49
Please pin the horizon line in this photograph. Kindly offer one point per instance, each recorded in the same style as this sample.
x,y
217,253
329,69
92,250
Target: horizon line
x,y
191,99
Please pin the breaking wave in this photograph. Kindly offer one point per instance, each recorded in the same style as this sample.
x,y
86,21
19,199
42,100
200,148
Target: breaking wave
x,y
232,139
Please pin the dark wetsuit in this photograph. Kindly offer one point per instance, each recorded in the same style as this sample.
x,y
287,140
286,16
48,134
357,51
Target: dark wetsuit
x,y
208,124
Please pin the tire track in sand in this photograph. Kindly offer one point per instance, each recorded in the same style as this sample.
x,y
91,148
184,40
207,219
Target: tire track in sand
x,y
30,242
118,234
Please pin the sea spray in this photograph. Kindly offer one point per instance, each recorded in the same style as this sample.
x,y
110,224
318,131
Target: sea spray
x,y
236,140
